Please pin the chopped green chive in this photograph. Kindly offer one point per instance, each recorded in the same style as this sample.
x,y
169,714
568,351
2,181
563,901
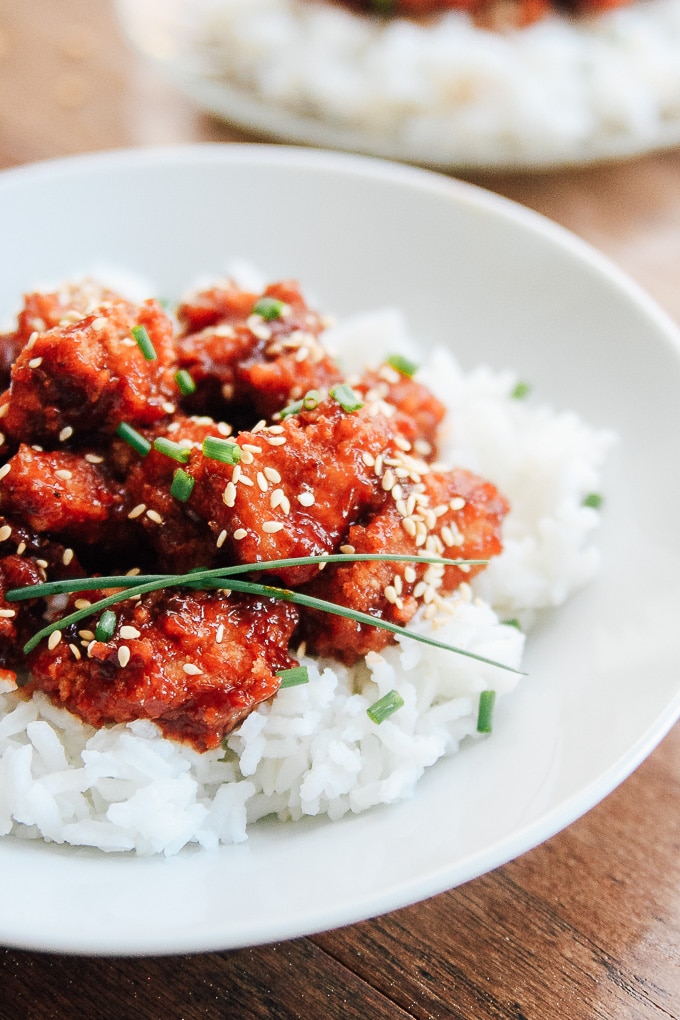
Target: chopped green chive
x,y
293,677
144,342
487,700
402,365
385,707
346,397
268,308
309,402
521,390
224,450
593,499
171,449
133,438
512,622
182,485
106,627
185,384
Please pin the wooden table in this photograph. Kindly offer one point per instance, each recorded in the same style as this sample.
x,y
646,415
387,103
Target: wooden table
x,y
585,926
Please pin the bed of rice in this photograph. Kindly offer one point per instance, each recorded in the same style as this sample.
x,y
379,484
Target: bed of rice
x,y
440,92
313,750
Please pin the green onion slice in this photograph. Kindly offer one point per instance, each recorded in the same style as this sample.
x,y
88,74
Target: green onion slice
x,y
385,707
224,450
268,308
593,499
309,402
182,485
185,384
133,438
344,394
402,365
521,390
106,627
173,450
487,700
293,677
144,343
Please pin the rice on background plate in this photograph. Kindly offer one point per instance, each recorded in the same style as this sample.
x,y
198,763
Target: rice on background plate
x,y
439,91
313,750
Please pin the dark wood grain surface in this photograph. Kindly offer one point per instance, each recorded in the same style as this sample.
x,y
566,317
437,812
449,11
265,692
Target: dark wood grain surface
x,y
586,926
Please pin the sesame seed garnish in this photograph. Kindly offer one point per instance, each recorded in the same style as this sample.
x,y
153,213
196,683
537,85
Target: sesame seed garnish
x,y
8,614
236,474
409,526
35,363
132,572
275,430
240,533
67,556
94,458
154,516
396,492
277,441
42,563
5,532
278,498
388,480
3,410
347,549
2,438
75,651
21,549
191,669
271,527
244,480
123,656
4,471
86,635
221,538
448,536
272,475
168,407
223,428
99,323
127,341
82,603
368,458
306,498
129,633
397,583
251,448
457,503
64,474
137,511
409,574
261,424
219,636
390,594
246,456
229,494
54,639
262,482
65,433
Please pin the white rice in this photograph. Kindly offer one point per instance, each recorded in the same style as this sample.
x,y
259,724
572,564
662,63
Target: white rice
x,y
313,750
440,91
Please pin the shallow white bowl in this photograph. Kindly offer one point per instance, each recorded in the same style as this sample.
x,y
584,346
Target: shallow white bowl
x,y
500,285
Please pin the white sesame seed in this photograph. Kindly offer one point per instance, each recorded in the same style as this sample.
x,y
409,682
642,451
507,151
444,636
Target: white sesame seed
x,y
168,407
275,430
368,458
65,433
3,410
4,471
244,480
246,456
127,341
137,511
42,563
277,441
396,492
75,651
240,533
86,635
457,503
272,475
219,636
388,480
409,526
64,474
132,572
154,516
347,549
271,527
94,458
67,557
35,363
448,537
278,498
5,532
229,494
397,584
251,448
306,498
223,428
21,548
390,594
191,669
221,538
262,481
2,438
82,603
123,656
129,633
409,574
99,323
53,640
8,614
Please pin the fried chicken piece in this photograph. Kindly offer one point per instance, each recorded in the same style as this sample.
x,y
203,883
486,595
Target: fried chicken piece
x,y
452,514
415,411
195,663
89,375
250,354
296,488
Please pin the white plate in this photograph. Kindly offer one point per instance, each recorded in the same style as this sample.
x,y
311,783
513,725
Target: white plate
x,y
438,91
502,285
